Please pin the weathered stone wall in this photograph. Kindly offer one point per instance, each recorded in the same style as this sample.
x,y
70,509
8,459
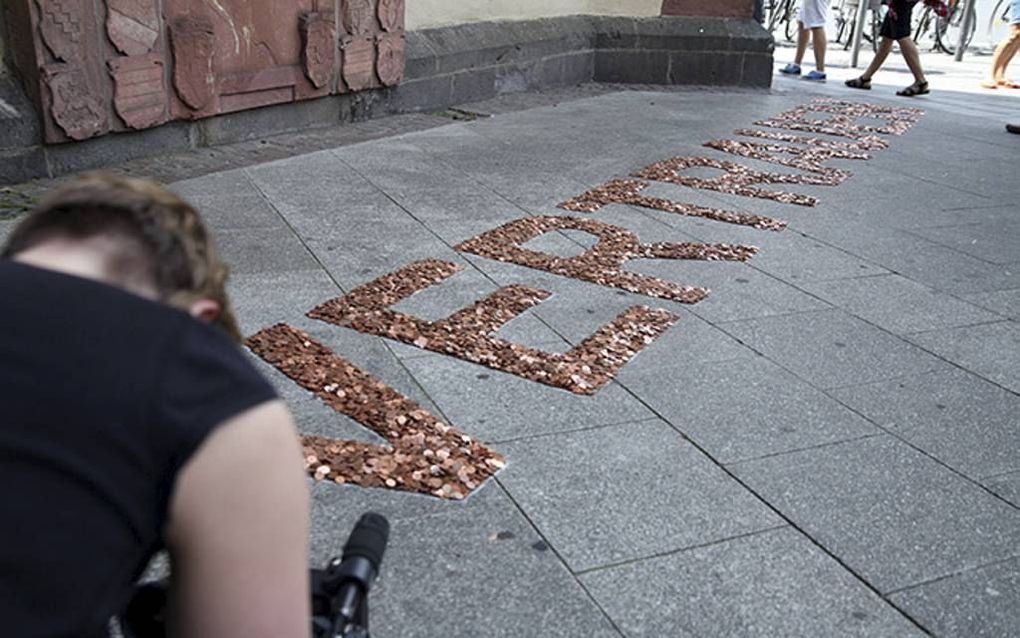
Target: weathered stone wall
x,y
3,44
424,14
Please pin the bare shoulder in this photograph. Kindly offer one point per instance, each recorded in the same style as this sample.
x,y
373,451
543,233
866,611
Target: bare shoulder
x,y
237,530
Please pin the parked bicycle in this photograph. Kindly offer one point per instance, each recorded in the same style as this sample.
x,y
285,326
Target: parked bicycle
x,y
946,30
782,12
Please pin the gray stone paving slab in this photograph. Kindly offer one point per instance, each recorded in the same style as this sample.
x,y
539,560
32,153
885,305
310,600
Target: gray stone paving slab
x,y
358,252
425,184
746,408
998,243
606,495
229,201
1003,302
957,417
497,406
897,304
320,191
831,349
980,603
738,290
263,299
990,350
462,569
775,583
263,250
891,514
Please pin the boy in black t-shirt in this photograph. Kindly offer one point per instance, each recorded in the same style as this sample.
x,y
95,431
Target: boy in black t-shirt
x,y
131,422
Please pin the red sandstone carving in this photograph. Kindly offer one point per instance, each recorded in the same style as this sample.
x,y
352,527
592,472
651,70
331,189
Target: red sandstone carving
x,y
423,454
391,15
466,334
390,64
737,179
359,18
627,191
359,62
133,25
194,43
318,34
73,104
140,95
602,263
62,29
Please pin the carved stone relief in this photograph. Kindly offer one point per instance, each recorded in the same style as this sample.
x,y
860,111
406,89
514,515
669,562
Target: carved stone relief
x,y
358,16
359,62
140,96
391,15
390,65
318,35
194,42
62,29
213,57
74,106
132,25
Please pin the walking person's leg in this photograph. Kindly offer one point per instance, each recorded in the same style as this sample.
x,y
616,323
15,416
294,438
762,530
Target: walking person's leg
x,y
864,81
1012,42
821,44
913,58
803,35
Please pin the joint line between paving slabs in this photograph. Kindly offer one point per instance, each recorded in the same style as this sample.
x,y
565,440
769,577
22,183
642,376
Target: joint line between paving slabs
x,y
681,550
385,342
953,574
829,392
819,446
481,272
590,428
559,557
711,458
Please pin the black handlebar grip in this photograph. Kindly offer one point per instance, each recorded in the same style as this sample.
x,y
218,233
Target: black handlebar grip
x,y
369,538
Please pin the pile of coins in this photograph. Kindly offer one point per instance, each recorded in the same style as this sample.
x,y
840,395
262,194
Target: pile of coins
x,y
627,191
737,179
423,454
602,263
843,122
467,334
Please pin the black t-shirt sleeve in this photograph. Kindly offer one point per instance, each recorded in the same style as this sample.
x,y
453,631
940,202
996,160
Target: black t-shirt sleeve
x,y
208,381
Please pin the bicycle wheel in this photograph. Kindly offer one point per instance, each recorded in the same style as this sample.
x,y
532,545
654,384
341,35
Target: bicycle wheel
x,y
791,22
776,10
947,30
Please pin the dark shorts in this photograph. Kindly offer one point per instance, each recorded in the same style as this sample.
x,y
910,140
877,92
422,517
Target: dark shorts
x,y
899,27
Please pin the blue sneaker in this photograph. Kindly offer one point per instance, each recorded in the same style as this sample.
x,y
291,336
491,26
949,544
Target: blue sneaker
x,y
790,69
815,76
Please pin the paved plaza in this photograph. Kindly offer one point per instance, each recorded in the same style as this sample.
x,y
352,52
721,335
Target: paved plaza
x,y
828,445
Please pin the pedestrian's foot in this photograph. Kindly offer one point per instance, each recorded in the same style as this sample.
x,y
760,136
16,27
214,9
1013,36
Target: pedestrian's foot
x,y
859,83
1013,128
815,76
915,89
990,84
790,69
1009,84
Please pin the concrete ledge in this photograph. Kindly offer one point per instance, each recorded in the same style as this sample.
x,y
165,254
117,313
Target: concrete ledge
x,y
445,67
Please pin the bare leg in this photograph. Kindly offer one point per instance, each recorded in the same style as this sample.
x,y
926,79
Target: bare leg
x,y
884,48
820,43
803,35
913,58
1012,42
